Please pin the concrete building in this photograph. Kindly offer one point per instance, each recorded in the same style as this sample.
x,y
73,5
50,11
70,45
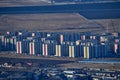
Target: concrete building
x,y
23,47
58,50
64,44
35,48
19,47
45,49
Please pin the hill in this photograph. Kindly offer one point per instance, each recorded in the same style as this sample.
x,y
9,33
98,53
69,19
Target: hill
x,y
56,22
52,22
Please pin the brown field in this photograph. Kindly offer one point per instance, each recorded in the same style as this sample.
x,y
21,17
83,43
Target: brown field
x,y
63,62
52,22
56,23
91,65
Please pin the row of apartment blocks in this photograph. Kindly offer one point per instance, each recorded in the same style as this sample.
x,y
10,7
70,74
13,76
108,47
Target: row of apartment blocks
x,y
84,45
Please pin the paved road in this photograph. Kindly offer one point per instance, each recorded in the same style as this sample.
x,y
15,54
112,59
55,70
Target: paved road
x,y
101,61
